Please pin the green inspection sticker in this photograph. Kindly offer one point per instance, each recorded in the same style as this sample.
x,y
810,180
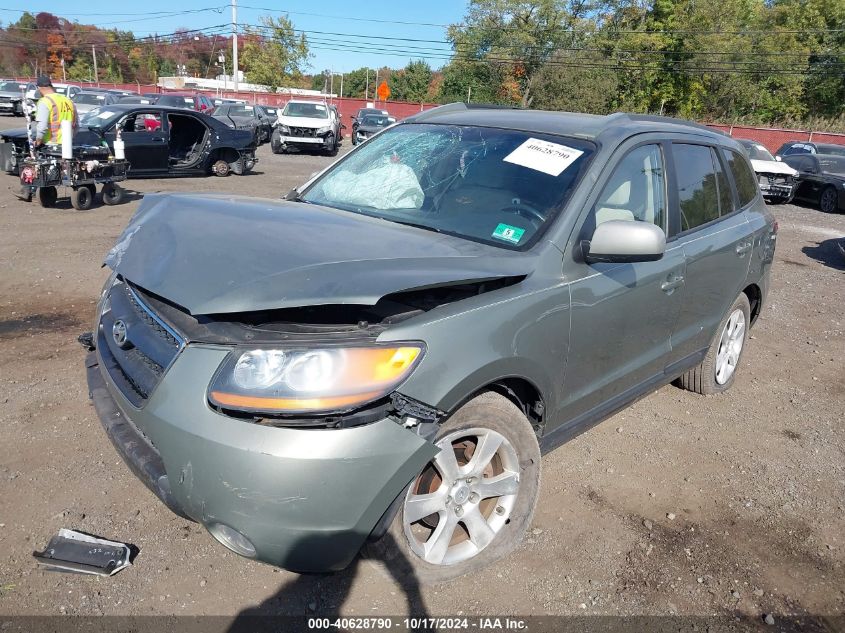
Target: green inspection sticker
x,y
509,233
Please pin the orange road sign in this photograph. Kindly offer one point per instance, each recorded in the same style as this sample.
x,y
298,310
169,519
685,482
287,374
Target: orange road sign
x,y
383,91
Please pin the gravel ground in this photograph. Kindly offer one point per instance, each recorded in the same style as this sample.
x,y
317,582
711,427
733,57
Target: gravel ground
x,y
681,504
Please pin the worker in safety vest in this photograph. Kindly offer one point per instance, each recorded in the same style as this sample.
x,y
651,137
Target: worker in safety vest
x,y
53,108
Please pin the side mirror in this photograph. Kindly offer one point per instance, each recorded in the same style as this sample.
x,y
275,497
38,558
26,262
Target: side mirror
x,y
623,241
778,158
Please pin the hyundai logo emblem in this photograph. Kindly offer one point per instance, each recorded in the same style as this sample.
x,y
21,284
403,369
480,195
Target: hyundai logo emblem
x,y
118,332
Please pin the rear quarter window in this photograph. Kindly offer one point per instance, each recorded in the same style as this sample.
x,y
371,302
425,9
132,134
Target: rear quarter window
x,y
743,175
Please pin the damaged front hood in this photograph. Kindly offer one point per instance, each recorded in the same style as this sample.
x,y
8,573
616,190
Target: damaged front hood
x,y
772,167
215,254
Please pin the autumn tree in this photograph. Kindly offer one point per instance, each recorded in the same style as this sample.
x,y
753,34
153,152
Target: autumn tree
x,y
273,53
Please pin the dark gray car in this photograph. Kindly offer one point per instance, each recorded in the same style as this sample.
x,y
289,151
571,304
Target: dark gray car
x,y
380,358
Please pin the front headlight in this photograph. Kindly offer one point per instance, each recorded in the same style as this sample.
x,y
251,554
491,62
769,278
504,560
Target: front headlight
x,y
324,380
284,129
324,130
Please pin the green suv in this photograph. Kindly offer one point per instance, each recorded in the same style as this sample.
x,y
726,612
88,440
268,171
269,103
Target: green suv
x,y
380,358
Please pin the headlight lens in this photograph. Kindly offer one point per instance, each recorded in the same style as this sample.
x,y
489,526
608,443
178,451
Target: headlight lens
x,y
324,130
310,380
284,129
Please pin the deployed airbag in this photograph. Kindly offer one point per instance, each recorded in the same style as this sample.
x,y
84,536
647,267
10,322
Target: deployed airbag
x,y
388,186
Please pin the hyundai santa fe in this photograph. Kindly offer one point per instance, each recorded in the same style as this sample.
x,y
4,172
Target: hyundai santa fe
x,y
379,359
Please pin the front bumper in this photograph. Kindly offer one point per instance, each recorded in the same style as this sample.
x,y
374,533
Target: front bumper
x,y
777,189
306,499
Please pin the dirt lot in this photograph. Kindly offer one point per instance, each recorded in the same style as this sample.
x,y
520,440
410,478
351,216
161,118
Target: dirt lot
x,y
681,504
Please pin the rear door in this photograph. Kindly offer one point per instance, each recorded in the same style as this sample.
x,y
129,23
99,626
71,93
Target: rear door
x,y
715,237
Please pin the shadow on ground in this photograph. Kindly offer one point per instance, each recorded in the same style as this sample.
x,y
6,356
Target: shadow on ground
x,y
829,252
323,595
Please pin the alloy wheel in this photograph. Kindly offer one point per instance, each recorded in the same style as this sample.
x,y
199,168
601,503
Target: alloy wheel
x,y
463,498
827,202
730,347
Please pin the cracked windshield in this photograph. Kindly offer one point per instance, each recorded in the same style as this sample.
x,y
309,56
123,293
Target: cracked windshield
x,y
489,185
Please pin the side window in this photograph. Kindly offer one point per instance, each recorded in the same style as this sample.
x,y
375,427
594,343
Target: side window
x,y
698,194
636,191
744,178
142,122
726,198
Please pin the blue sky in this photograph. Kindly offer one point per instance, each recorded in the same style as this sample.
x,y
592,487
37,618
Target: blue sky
x,y
334,22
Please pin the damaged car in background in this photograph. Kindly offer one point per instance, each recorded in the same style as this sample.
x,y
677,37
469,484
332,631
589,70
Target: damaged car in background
x,y
12,97
158,141
777,179
243,116
378,359
307,126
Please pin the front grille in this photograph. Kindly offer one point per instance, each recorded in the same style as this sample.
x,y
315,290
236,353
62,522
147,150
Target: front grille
x,y
137,363
307,132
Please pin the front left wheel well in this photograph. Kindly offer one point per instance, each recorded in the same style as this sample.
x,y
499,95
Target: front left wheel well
x,y
524,395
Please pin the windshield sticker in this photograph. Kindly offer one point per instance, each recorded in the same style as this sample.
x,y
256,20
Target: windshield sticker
x,y
509,233
320,108
105,114
549,158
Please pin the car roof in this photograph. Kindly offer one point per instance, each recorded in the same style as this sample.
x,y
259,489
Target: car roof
x,y
820,146
593,127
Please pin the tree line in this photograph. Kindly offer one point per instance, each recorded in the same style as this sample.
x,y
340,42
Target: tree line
x,y
767,62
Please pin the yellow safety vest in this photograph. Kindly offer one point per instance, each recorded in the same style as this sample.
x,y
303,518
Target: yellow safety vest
x,y
61,109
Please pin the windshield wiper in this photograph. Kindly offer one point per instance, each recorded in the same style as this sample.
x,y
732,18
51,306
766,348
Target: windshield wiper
x,y
418,225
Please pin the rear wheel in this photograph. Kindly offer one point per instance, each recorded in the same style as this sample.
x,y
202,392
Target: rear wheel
x,y
827,201
471,504
717,371
47,196
81,198
220,168
112,194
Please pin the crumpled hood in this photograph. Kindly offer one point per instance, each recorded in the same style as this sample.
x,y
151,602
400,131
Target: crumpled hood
x,y
301,121
772,167
215,254
11,95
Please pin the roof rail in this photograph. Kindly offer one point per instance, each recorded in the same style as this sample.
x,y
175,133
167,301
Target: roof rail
x,y
654,118
458,106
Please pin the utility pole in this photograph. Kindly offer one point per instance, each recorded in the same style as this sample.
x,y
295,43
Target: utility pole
x,y
235,42
375,90
96,74
367,89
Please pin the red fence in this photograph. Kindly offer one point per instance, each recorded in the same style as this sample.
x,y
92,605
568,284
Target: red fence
x,y
346,106
773,138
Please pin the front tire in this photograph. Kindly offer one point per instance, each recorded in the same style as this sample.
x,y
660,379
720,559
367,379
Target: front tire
x,y
471,505
717,371
828,200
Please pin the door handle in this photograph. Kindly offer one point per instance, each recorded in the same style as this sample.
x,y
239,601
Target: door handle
x,y
158,139
742,248
672,282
